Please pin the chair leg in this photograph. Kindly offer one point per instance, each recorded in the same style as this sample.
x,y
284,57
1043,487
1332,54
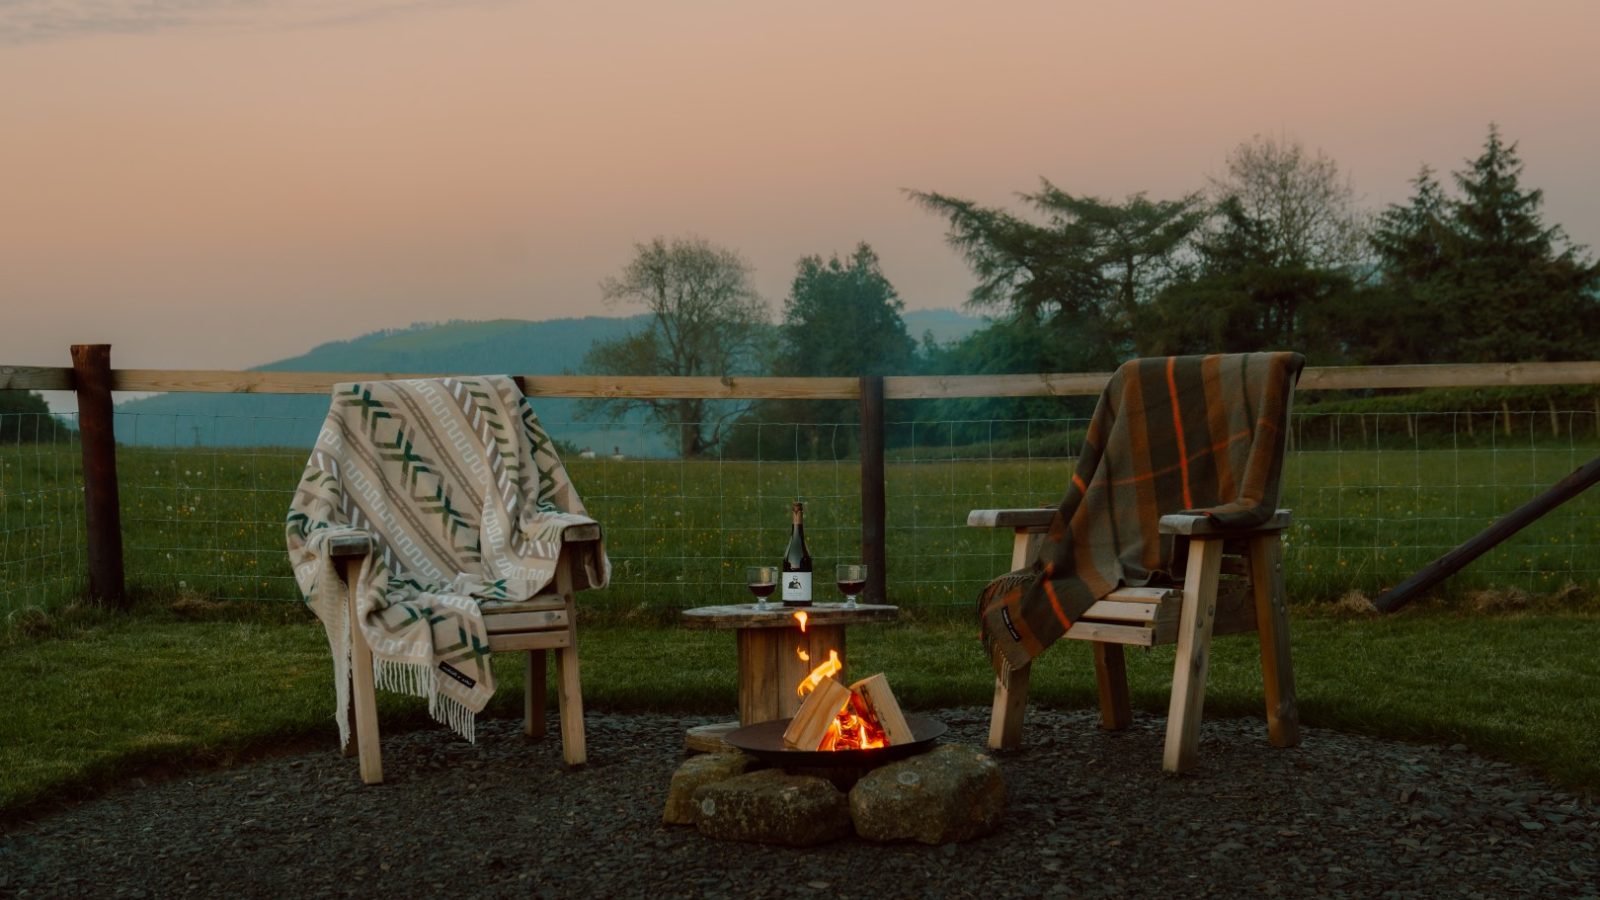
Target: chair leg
x,y
533,699
348,751
1010,703
1198,614
363,697
1272,626
1111,677
569,694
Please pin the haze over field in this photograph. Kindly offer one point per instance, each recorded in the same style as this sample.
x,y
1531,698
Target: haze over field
x,y
216,184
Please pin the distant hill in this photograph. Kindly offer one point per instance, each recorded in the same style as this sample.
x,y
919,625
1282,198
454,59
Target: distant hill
x,y
945,325
513,346
291,420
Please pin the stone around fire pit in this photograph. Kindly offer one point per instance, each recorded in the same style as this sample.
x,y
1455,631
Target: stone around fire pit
x,y
696,772
951,793
772,807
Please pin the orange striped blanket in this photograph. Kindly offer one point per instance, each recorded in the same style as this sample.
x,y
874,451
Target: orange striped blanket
x,y
1197,434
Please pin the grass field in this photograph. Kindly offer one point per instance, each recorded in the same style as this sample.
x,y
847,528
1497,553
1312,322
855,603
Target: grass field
x,y
208,523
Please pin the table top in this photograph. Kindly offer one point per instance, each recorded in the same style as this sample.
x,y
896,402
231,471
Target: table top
x,y
746,615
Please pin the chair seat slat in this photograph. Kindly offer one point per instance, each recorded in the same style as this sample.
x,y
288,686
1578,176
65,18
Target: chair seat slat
x,y
1112,634
530,640
507,623
536,603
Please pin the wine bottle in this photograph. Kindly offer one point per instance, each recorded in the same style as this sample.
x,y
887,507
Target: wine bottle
x,y
797,562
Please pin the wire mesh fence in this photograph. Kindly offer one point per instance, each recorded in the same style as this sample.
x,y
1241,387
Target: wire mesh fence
x,y
1379,495
1375,497
41,511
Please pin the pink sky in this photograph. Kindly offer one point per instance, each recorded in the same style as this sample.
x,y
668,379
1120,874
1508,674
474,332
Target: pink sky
x,y
217,184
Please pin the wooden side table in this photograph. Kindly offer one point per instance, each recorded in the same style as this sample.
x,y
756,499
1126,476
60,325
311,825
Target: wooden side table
x,y
770,667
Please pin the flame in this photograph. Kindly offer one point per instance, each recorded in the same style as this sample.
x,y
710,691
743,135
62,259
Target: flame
x,y
810,682
848,730
801,651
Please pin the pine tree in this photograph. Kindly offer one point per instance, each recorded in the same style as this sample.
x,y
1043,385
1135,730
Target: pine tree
x,y
1520,290
1411,240
1480,278
1407,318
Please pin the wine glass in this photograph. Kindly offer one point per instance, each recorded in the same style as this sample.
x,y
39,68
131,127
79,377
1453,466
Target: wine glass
x,y
762,581
852,577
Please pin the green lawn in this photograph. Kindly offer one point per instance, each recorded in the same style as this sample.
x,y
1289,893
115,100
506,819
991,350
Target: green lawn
x,y
103,697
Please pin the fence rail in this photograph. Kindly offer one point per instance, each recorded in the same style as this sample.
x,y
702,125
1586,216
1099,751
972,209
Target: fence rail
x,y
1449,481
895,387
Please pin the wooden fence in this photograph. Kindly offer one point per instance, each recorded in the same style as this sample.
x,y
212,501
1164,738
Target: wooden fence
x,y
93,380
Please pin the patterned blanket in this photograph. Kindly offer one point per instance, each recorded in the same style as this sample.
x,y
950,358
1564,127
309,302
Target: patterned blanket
x,y
1198,434
465,499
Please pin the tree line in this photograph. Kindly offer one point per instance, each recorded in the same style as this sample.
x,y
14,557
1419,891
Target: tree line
x,y
1275,253
25,418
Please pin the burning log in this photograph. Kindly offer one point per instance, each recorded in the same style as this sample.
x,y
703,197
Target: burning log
x,y
862,716
815,721
873,701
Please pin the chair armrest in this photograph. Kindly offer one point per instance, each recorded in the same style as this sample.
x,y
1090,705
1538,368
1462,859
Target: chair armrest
x,y
1011,518
1203,526
358,544
343,546
577,534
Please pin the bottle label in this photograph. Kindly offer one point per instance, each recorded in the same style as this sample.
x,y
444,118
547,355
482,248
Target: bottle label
x,y
797,587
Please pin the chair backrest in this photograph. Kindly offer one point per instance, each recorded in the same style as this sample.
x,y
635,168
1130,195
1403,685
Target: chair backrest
x,y
1174,434
454,478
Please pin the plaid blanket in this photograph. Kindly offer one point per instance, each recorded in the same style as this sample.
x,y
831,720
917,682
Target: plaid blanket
x,y
1198,434
465,499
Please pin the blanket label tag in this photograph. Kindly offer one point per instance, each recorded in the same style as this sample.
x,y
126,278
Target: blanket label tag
x,y
1005,616
457,674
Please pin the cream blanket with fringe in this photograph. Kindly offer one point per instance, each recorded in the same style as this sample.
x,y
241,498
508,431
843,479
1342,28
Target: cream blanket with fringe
x,y
465,499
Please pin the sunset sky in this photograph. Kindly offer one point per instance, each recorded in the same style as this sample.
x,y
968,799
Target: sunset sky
x,y
221,183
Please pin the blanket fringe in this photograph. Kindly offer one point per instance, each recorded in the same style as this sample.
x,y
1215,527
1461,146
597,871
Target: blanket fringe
x,y
418,680
452,712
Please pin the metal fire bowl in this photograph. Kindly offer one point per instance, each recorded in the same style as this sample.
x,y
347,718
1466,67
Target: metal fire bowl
x,y
764,741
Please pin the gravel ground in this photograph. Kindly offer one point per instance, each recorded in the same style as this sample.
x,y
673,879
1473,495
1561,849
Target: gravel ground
x,y
1089,814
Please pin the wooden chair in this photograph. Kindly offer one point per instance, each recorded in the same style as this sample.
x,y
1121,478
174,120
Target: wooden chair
x,y
1233,584
547,621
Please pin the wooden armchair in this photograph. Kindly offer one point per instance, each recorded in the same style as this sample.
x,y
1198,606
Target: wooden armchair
x,y
1233,583
547,621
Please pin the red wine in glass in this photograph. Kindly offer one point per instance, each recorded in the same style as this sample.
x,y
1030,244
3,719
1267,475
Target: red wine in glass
x,y
762,582
851,578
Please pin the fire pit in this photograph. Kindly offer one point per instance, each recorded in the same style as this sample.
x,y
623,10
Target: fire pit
x,y
849,759
764,741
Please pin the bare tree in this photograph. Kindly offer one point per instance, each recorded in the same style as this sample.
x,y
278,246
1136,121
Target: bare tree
x,y
706,319
1307,210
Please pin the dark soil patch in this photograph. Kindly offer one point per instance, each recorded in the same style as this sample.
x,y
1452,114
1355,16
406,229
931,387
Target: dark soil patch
x,y
1089,814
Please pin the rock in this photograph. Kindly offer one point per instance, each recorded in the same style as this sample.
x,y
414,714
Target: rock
x,y
772,807
951,793
710,738
695,773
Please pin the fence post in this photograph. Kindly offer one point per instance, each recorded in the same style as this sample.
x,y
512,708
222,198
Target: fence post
x,y
873,505
102,514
